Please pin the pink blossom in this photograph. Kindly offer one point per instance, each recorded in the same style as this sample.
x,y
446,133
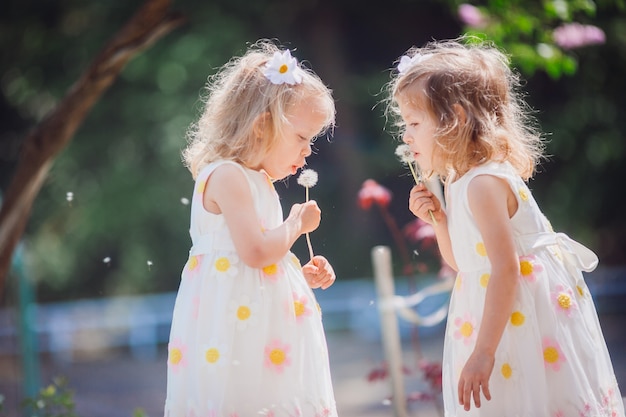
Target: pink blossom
x,y
432,373
277,355
472,16
563,300
273,272
372,192
465,329
193,265
177,355
420,231
324,413
300,307
576,35
529,267
552,354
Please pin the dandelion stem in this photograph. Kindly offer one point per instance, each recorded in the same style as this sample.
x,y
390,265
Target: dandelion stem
x,y
308,238
308,242
418,179
415,177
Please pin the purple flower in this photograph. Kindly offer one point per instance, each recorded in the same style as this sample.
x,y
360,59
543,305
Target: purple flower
x,y
471,16
576,35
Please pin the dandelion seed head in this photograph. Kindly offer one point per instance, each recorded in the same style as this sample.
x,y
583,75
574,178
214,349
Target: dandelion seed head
x,y
404,153
184,201
308,178
107,260
149,263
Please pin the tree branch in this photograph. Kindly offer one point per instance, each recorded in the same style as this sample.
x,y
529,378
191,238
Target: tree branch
x,y
151,22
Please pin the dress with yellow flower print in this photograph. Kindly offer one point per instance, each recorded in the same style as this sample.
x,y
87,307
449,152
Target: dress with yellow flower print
x,y
552,360
244,342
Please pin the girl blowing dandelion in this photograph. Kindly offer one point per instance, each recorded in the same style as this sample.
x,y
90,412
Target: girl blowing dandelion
x,y
247,338
406,157
523,336
308,179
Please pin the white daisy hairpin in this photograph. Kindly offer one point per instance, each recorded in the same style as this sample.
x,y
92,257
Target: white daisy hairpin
x,y
404,153
282,68
308,179
407,62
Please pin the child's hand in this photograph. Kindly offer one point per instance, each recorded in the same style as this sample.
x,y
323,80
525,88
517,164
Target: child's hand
x,y
308,215
422,203
318,272
474,378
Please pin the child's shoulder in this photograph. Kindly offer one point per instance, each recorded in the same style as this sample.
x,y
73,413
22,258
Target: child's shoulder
x,y
501,170
225,166
495,168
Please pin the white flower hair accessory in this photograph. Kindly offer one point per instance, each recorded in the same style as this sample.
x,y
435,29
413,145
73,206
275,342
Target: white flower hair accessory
x,y
407,62
283,68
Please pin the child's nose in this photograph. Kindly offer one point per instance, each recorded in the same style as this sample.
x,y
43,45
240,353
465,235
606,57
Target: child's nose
x,y
406,138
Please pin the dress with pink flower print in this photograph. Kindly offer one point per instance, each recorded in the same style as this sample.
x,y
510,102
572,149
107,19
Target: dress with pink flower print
x,y
244,342
552,360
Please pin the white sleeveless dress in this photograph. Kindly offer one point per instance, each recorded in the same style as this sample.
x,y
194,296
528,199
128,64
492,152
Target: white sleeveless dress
x,y
244,342
552,360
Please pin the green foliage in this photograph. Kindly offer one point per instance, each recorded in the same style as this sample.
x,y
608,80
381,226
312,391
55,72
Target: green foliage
x,y
55,400
138,412
525,29
124,169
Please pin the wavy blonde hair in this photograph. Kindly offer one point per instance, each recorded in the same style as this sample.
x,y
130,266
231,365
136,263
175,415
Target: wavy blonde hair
x,y
236,96
496,124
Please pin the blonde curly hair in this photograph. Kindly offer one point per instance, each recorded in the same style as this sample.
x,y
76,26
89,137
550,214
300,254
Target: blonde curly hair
x,y
495,124
236,96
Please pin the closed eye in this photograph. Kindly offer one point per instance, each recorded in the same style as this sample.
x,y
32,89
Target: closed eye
x,y
312,140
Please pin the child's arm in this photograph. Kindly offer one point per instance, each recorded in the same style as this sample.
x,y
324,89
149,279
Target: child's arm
x,y
492,203
319,273
422,203
228,192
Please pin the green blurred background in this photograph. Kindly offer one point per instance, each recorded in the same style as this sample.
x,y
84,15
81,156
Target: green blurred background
x,y
125,231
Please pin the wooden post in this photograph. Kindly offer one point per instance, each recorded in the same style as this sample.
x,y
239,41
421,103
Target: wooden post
x,y
383,275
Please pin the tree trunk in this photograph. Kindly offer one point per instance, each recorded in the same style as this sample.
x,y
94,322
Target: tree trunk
x,y
152,21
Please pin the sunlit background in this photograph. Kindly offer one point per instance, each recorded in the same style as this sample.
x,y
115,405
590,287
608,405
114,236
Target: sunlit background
x,y
111,220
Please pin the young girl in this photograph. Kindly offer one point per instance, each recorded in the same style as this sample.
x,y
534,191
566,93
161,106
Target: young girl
x,y
247,336
523,337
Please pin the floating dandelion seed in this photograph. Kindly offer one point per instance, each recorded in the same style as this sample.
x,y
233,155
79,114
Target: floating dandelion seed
x,y
308,179
107,260
406,157
184,201
69,197
149,263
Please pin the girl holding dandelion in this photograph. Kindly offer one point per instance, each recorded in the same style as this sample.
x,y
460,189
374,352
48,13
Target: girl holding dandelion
x,y
308,179
247,337
523,336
